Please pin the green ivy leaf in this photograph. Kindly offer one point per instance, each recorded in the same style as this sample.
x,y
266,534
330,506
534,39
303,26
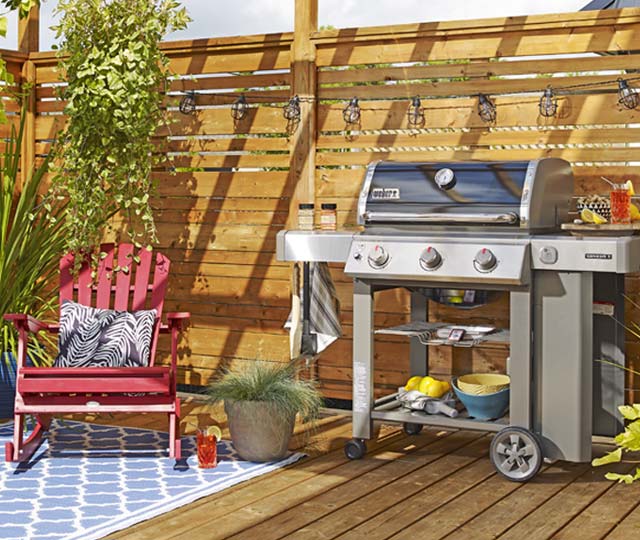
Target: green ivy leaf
x,y
630,412
623,478
612,457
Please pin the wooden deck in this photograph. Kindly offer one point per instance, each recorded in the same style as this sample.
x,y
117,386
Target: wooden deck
x,y
435,485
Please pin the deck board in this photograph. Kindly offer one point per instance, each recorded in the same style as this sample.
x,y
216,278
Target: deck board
x,y
432,486
392,493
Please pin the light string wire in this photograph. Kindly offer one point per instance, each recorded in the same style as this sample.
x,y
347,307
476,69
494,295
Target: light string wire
x,y
278,101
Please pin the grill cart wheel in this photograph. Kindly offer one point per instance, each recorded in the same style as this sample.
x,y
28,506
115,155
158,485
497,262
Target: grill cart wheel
x,y
355,449
516,454
411,429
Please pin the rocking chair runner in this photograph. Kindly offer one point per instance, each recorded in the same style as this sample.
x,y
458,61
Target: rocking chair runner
x,y
44,391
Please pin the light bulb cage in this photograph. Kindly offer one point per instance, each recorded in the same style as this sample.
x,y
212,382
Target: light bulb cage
x,y
486,109
415,114
627,96
291,111
188,103
352,113
548,106
240,108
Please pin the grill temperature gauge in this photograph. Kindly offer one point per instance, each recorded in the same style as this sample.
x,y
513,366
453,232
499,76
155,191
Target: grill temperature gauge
x,y
378,257
430,258
485,260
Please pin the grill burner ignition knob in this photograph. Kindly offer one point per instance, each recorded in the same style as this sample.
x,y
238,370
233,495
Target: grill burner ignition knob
x,y
430,259
378,257
485,260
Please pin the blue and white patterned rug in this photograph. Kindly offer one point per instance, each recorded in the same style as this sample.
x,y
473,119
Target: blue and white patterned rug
x,y
88,481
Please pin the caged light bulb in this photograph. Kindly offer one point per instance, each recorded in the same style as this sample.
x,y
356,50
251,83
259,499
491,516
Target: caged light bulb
x,y
548,105
239,108
351,112
415,114
188,103
486,109
291,110
627,96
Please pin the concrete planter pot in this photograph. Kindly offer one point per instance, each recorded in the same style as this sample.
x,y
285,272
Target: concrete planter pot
x,y
258,429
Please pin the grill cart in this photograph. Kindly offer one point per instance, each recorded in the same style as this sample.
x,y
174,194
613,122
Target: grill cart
x,y
482,227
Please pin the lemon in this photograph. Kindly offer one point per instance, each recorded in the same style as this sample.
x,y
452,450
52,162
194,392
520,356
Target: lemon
x,y
424,383
629,185
413,383
437,389
215,431
634,212
588,216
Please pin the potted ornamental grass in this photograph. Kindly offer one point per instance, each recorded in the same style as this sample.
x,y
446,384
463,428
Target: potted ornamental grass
x,y
261,401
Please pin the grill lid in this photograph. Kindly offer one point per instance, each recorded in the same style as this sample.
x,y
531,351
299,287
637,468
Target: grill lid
x,y
465,193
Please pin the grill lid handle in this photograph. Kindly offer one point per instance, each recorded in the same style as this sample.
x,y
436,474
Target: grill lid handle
x,y
434,217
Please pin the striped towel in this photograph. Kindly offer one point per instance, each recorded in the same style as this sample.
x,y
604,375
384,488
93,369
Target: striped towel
x,y
325,309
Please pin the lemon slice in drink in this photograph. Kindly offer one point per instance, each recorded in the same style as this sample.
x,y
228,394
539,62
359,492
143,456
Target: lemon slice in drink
x,y
215,431
629,185
588,216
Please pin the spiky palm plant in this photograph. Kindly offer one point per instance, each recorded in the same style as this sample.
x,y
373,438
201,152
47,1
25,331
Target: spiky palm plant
x,y
31,243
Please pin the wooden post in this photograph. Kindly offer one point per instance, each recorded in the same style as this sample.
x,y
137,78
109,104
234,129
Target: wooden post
x,y
303,76
29,31
29,41
28,157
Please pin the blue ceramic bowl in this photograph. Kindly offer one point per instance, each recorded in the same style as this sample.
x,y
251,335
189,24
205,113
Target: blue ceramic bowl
x,y
484,407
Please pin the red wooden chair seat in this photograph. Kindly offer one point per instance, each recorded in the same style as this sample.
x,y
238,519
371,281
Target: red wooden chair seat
x,y
43,392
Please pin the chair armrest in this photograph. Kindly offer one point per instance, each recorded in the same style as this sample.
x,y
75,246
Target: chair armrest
x,y
175,319
22,320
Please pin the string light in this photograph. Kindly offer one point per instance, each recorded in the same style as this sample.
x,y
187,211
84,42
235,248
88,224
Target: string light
x,y
627,97
188,103
415,114
291,110
351,113
486,109
239,108
548,105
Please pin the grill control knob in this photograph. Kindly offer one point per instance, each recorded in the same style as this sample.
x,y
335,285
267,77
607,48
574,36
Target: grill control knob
x,y
430,258
485,260
378,257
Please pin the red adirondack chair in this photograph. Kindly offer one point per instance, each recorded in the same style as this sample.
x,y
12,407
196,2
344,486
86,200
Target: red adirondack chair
x,y
42,392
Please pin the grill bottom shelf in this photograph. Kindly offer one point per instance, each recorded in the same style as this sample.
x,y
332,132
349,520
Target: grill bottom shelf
x,y
463,421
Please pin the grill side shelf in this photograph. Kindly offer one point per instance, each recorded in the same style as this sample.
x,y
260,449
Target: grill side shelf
x,y
435,333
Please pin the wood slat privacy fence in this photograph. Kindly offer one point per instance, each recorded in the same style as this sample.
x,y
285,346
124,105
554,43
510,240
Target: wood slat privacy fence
x,y
236,181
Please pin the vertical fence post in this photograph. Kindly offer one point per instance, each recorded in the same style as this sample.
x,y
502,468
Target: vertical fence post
x,y
29,31
303,77
28,156
28,42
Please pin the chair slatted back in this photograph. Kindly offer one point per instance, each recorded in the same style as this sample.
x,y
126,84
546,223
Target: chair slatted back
x,y
147,291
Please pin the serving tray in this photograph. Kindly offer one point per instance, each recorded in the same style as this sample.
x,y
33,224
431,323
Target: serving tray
x,y
605,229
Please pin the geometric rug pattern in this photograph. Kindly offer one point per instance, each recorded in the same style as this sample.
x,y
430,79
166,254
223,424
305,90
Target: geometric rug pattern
x,y
88,480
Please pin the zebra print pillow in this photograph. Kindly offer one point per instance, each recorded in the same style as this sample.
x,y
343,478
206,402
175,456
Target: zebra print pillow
x,y
92,337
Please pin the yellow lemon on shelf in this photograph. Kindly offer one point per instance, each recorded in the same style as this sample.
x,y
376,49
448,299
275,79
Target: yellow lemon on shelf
x,y
634,212
437,389
424,384
589,216
629,186
413,383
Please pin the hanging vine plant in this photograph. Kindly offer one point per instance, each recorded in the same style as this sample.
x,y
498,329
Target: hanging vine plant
x,y
116,75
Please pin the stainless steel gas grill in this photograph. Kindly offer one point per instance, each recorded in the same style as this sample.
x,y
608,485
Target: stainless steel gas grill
x,y
476,228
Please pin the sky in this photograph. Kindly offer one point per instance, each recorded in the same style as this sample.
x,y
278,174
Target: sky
x,y
215,18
